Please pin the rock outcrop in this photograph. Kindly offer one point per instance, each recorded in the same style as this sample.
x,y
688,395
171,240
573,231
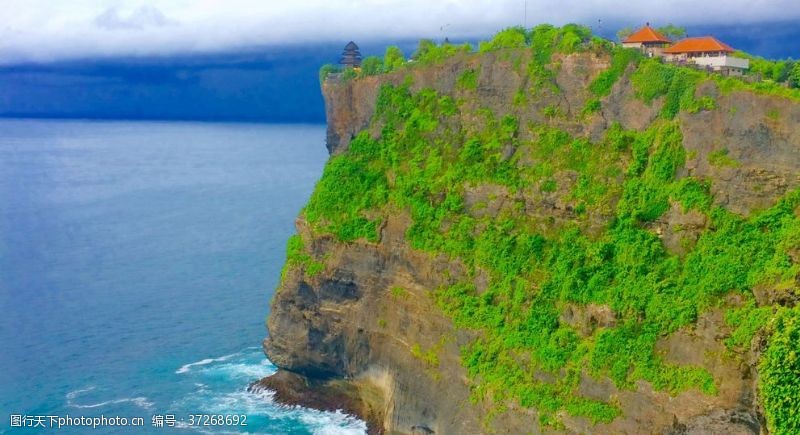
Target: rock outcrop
x,y
367,320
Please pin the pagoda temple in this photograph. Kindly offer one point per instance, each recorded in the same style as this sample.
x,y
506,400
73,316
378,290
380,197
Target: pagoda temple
x,y
351,57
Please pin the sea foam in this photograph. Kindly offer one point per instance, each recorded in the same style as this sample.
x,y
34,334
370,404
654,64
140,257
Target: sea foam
x,y
141,402
188,367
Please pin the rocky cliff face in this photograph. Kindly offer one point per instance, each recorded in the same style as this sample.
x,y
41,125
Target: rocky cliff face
x,y
367,315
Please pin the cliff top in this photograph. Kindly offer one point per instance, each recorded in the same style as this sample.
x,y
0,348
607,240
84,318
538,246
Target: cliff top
x,y
772,76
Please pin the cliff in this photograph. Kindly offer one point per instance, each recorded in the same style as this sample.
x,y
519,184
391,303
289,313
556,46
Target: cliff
x,y
553,238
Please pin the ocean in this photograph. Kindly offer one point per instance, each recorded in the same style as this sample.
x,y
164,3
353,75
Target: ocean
x,y
137,261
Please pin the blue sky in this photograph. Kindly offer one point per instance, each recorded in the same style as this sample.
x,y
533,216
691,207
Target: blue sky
x,y
258,60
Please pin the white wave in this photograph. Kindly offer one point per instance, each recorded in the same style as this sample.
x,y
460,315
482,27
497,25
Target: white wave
x,y
333,423
262,403
141,402
242,371
241,402
73,394
187,367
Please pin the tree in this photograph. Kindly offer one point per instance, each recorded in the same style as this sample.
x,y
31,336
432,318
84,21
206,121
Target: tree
x,y
794,77
623,33
781,70
393,58
512,37
424,48
778,71
672,31
372,65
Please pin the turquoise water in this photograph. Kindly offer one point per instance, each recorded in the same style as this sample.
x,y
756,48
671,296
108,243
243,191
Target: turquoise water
x,y
137,261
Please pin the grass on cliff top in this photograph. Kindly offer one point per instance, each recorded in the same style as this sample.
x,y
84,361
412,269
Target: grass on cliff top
x,y
543,39
773,77
424,163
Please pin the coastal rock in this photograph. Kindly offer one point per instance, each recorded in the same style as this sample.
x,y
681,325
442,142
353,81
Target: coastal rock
x,y
328,395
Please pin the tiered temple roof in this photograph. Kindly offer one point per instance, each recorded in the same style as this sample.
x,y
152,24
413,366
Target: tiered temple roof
x,y
351,56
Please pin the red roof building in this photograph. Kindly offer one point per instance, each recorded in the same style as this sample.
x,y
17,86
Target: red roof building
x,y
703,44
646,35
647,39
709,53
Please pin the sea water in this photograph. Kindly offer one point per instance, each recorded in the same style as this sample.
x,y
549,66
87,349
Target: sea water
x,y
137,260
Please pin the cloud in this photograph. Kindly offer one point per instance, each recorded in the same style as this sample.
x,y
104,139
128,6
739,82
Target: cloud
x,y
44,30
140,18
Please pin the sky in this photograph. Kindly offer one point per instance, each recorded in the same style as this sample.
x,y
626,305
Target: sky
x,y
257,60
52,30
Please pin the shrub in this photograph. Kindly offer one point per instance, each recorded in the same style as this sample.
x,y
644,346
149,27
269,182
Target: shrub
x,y
349,74
468,80
621,58
592,106
672,31
779,374
794,75
371,65
721,159
573,36
327,69
296,256
349,176
393,58
512,37
428,52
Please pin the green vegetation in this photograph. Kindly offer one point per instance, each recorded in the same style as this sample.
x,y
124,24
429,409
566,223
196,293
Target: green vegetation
x,y
672,31
428,52
393,58
676,84
513,37
602,84
399,293
296,256
620,59
779,371
468,80
430,356
778,77
746,321
364,183
721,159
424,162
371,65
794,75
326,70
731,84
778,71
